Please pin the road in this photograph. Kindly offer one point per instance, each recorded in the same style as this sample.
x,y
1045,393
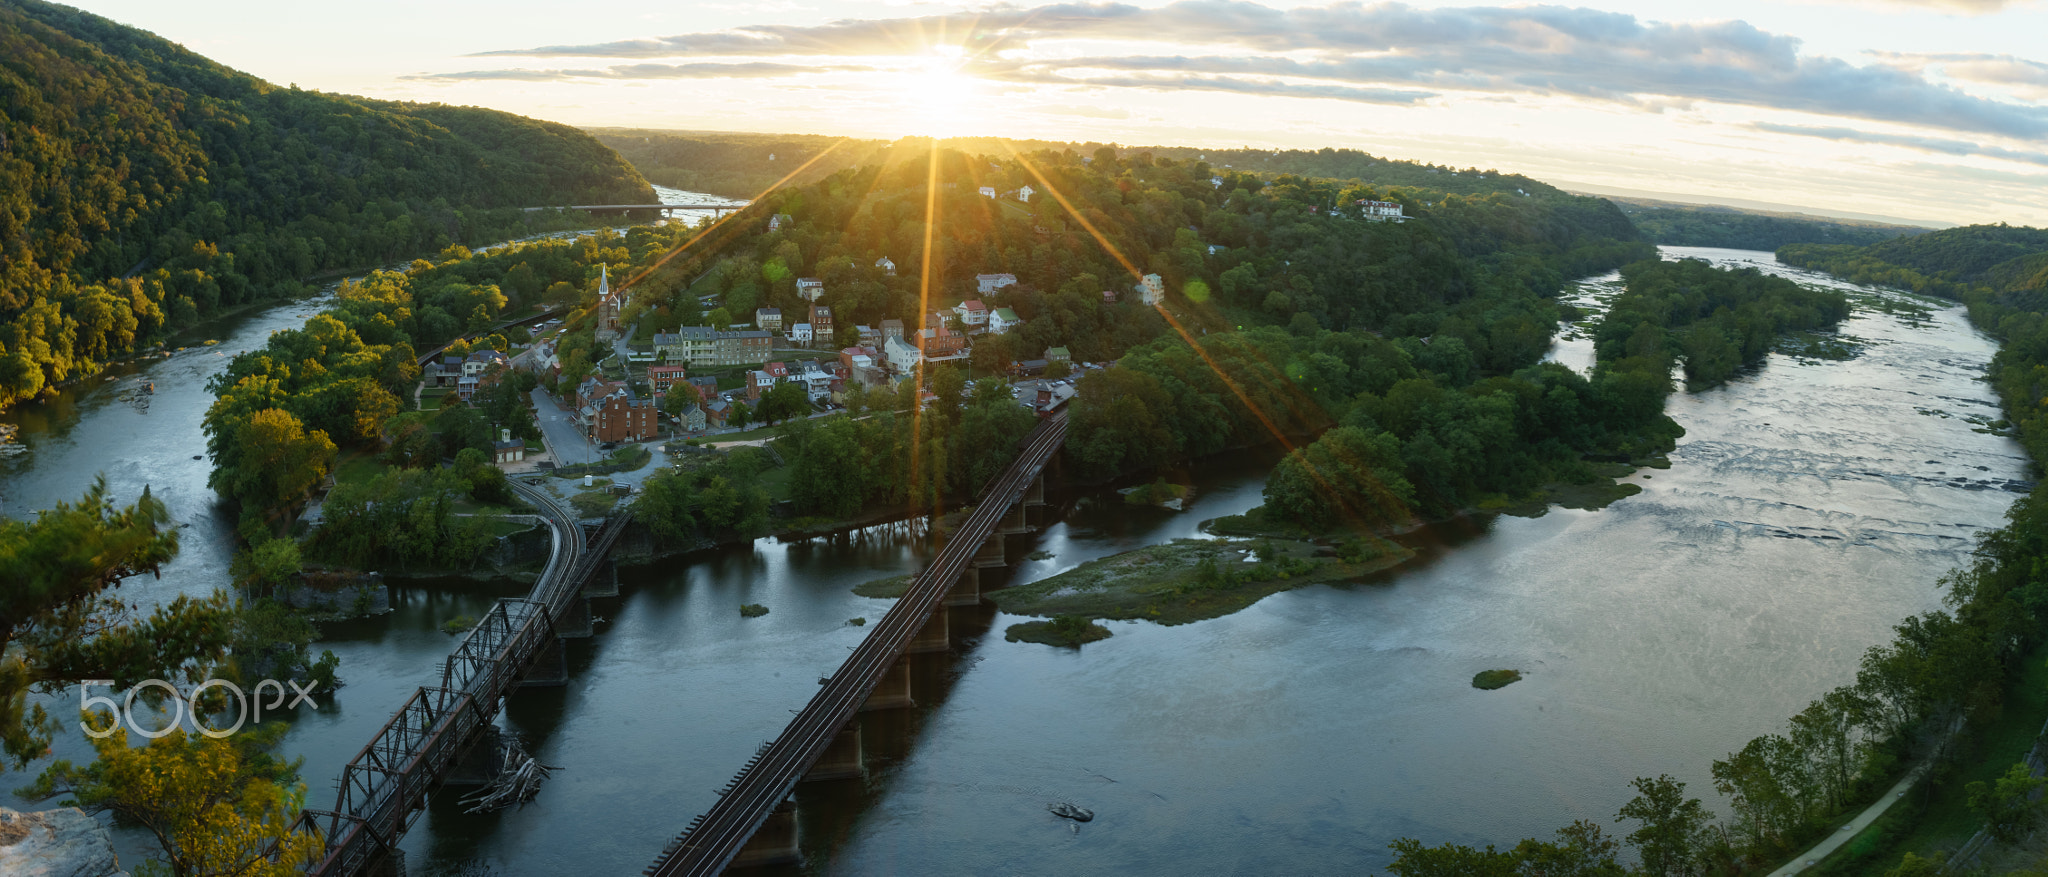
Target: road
x,y
564,439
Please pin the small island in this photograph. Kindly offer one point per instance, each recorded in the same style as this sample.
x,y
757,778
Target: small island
x,y
1193,579
1070,631
1488,680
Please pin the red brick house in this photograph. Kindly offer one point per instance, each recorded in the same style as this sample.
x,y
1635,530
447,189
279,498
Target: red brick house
x,y
665,376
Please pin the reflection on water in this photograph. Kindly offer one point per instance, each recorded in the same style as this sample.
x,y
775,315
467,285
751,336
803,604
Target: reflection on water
x,y
1808,508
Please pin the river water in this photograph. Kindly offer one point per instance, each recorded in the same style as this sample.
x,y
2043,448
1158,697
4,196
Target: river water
x,y
1811,505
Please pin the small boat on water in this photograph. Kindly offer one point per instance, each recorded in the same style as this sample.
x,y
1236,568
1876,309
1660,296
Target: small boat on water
x,y
1070,811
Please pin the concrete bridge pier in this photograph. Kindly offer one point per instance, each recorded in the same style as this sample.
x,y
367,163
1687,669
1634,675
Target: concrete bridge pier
x,y
603,583
892,691
776,842
1014,521
967,591
990,553
935,636
842,760
1035,494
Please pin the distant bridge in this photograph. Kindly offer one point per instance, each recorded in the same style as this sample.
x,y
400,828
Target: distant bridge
x,y
385,787
752,822
621,208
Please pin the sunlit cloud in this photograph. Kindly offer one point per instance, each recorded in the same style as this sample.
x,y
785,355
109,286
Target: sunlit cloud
x,y
751,70
1940,145
1383,53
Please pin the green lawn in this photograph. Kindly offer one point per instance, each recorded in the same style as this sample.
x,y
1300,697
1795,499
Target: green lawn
x,y
430,398
358,469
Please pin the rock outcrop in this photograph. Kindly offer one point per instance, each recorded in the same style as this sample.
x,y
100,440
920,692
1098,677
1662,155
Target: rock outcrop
x,y
64,842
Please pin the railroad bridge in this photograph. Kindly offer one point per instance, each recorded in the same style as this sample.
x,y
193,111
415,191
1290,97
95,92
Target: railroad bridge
x,y
518,643
754,820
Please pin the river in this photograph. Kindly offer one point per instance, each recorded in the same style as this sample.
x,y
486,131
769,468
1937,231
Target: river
x,y
1811,505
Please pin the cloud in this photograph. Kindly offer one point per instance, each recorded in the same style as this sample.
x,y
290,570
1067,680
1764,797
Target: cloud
x,y
750,70
1924,144
2020,74
1388,53
1084,111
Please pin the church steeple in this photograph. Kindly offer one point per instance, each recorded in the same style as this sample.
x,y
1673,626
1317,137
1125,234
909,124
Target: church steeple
x,y
604,281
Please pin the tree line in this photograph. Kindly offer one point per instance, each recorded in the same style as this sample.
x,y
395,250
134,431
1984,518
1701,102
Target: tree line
x,y
144,188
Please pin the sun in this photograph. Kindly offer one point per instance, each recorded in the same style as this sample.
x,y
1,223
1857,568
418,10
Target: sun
x,y
942,100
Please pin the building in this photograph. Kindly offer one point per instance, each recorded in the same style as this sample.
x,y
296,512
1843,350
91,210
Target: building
x,y
665,376
902,355
622,416
609,304
702,346
1381,211
1003,320
810,288
856,358
466,387
821,323
892,328
592,389
780,221
759,381
940,342
769,319
445,370
869,337
1109,296
1024,194
506,449
887,265
973,314
715,412
988,191
691,418
481,361
988,283
801,333
816,379
1058,354
1153,290
707,387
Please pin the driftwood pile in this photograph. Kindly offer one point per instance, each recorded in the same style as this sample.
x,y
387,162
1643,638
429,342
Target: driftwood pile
x,y
516,783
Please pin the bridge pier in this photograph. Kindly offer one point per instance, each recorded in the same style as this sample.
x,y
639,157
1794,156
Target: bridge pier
x,y
990,553
892,691
842,760
776,841
967,591
1014,521
575,620
550,668
1035,494
605,583
935,636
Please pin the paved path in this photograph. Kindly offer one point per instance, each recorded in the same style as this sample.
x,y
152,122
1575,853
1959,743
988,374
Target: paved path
x,y
1845,833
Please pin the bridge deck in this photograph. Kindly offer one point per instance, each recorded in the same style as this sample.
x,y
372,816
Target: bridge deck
x,y
711,842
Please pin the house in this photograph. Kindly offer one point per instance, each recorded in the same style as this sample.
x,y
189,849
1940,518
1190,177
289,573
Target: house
x,y
481,361
988,283
622,416
1109,296
810,288
466,386
1216,182
902,355
1216,248
1024,194
446,370
892,328
1029,368
817,380
542,360
821,323
776,370
988,191
888,267
940,342
801,333
691,418
592,389
665,376
759,381
707,388
973,314
1003,320
769,319
508,451
739,347
715,413
1381,211
1058,354
1153,290
868,337
780,221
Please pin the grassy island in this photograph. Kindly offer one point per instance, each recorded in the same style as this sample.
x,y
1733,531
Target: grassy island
x,y
1063,630
1488,680
1193,579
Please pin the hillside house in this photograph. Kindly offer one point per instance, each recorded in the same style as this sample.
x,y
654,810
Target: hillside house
x,y
1003,320
481,361
665,376
1024,193
821,323
769,319
1381,211
988,191
887,265
989,283
973,314
810,288
892,328
801,333
869,337
1058,354
902,356
1152,290
780,221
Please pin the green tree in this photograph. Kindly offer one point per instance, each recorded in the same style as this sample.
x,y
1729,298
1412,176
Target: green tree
x,y
2008,804
1668,836
785,400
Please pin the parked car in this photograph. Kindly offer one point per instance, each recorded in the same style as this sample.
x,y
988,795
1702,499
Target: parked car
x,y
608,446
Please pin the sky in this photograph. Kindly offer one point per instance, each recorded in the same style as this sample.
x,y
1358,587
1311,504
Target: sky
x,y
1931,110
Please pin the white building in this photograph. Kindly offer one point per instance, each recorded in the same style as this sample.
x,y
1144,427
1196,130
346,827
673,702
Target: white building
x,y
1003,320
1153,290
888,267
1024,194
988,191
902,355
800,333
973,314
810,288
988,283
1381,211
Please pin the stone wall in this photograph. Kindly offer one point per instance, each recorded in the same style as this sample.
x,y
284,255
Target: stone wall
x,y
344,593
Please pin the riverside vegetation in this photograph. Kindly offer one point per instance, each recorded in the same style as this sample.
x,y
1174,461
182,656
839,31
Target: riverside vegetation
x,y
1948,689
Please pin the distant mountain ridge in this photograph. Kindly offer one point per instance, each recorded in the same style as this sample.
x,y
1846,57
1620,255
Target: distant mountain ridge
x,y
144,187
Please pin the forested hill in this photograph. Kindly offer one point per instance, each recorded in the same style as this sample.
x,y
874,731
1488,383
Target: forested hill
x,y
739,165
1694,225
144,187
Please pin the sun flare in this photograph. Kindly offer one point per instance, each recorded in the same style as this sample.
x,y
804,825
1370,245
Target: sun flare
x,y
942,100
